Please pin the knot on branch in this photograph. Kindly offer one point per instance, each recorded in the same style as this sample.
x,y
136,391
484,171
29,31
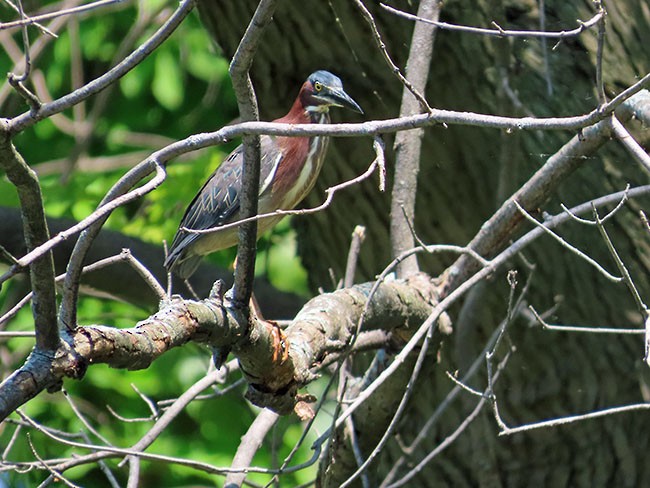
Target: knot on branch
x,y
66,362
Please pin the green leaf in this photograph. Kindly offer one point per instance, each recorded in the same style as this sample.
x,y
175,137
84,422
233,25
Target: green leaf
x,y
133,84
167,84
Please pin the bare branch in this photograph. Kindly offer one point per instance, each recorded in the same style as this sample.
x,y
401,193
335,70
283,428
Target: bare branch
x,y
600,86
249,446
408,391
28,119
358,236
408,143
461,385
589,330
201,141
499,32
18,81
496,232
53,473
247,103
604,219
442,446
125,256
83,128
146,275
463,288
566,245
41,271
117,196
574,418
10,444
19,10
58,13
629,143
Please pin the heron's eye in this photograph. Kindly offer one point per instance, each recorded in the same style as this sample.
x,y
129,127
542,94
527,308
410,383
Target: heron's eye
x,y
318,86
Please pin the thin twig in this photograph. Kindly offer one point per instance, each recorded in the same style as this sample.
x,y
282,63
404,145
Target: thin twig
x,y
389,61
565,244
378,145
408,391
604,219
103,452
358,236
464,386
600,86
450,439
356,450
17,333
249,445
574,418
59,13
117,196
201,141
10,444
459,291
40,27
634,291
499,32
55,474
589,330
150,404
144,273
630,143
83,419
28,119
124,256
18,81
323,398
461,385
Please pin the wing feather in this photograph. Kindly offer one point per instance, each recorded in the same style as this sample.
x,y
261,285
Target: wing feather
x,y
217,202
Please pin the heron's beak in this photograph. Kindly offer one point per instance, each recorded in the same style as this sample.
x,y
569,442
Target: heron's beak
x,y
341,99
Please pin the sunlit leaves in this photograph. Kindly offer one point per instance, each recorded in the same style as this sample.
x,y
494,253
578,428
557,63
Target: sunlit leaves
x,y
167,85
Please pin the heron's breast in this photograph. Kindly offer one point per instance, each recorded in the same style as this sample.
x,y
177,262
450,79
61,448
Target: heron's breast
x,y
294,181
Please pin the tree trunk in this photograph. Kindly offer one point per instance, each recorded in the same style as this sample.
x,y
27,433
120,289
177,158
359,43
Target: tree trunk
x,y
465,174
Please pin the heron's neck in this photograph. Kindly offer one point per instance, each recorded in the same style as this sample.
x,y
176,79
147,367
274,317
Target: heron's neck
x,y
299,114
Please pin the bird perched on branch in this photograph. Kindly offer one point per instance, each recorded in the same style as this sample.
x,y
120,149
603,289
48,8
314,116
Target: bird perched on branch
x,y
289,167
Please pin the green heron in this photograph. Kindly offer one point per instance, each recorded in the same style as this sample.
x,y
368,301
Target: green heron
x,y
288,171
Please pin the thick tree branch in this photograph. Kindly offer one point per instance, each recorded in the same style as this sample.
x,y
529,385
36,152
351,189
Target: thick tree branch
x,y
496,232
132,349
276,363
41,271
409,143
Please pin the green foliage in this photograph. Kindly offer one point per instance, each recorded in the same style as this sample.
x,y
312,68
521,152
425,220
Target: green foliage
x,y
183,88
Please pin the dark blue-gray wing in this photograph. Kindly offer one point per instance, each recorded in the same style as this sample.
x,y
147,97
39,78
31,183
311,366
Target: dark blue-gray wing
x,y
213,205
216,204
